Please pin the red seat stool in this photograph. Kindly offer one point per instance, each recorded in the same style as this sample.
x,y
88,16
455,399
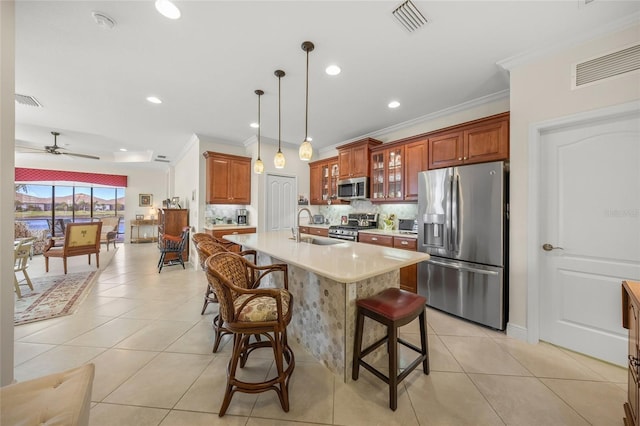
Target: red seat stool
x,y
393,308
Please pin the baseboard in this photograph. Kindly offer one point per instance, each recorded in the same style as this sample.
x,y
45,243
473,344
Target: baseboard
x,y
517,332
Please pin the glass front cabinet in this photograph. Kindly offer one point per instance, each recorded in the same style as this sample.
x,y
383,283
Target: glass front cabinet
x,y
387,175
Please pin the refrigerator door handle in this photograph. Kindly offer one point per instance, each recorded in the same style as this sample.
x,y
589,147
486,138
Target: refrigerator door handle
x,y
455,214
462,268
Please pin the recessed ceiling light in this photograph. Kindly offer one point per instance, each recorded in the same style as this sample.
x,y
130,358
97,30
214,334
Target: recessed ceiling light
x,y
394,104
154,100
333,70
167,9
123,149
104,21
254,125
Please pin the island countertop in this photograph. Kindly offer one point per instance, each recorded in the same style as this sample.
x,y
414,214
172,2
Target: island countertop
x,y
343,262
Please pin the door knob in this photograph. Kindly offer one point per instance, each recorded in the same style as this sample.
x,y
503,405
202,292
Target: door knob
x,y
549,247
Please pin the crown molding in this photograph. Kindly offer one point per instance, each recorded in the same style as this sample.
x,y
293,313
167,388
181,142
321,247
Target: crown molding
x,y
424,119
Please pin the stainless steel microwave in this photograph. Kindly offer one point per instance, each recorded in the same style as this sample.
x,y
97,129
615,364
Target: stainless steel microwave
x,y
353,189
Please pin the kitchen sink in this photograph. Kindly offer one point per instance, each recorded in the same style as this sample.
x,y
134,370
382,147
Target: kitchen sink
x,y
318,241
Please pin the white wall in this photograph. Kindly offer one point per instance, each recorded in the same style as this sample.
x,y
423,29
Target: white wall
x,y
140,181
540,91
187,180
7,191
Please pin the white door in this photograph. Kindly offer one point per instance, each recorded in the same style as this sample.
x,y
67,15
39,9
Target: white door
x,y
590,213
281,202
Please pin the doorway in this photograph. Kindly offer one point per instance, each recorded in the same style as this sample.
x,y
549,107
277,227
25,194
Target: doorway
x,y
281,202
587,240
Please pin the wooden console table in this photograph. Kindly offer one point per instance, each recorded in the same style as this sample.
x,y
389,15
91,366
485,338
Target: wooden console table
x,y
137,224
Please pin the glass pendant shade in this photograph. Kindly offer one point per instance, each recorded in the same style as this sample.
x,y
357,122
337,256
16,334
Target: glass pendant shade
x,y
306,151
279,160
258,166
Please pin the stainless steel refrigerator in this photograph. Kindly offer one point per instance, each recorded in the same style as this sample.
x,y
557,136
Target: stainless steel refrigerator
x,y
462,224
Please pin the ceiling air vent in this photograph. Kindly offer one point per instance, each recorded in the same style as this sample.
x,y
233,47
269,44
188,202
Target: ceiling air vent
x,y
409,16
607,66
162,159
27,100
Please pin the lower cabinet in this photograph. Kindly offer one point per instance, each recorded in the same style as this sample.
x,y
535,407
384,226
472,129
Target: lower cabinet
x,y
630,321
312,230
408,274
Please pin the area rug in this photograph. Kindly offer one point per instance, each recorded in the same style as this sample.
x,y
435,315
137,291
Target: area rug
x,y
53,296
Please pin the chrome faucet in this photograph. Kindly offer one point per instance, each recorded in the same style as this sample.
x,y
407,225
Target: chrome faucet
x,y
298,222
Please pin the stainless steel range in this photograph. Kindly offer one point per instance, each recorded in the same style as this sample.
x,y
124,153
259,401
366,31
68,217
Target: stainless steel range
x,y
356,222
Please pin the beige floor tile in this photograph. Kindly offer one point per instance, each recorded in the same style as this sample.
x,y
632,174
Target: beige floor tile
x,y
545,360
445,324
162,382
197,340
188,311
440,359
114,367
110,333
599,403
112,306
525,401
253,421
69,328
443,398
156,336
23,351
189,418
366,402
125,415
310,396
55,360
483,355
207,393
150,310
24,330
610,372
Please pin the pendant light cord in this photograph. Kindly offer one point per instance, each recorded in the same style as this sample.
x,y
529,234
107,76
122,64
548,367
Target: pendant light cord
x,y
306,112
279,127
259,125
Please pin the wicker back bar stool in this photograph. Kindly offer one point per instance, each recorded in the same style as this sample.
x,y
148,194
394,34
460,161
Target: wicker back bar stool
x,y
246,311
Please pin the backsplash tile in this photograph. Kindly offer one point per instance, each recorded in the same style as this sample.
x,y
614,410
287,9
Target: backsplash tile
x,y
402,211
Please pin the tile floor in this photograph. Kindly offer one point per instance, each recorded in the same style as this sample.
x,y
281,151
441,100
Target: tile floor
x,y
154,366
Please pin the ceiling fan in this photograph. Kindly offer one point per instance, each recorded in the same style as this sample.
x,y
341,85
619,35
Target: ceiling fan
x,y
56,150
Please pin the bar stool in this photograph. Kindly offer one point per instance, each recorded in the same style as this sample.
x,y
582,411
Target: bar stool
x,y
393,308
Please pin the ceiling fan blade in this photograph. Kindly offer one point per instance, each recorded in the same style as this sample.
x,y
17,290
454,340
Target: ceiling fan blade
x,y
93,157
24,148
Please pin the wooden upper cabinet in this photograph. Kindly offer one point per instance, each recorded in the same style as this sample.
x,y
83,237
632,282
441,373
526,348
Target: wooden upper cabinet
x,y
353,158
415,161
479,141
446,150
228,179
487,143
315,182
323,181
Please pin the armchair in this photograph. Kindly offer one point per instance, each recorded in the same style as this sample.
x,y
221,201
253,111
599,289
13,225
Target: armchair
x,y
79,238
109,231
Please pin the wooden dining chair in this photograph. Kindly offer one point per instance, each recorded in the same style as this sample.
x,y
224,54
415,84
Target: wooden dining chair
x,y
21,253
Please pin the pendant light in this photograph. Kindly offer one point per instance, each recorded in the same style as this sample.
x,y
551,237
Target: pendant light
x,y
258,166
279,160
306,150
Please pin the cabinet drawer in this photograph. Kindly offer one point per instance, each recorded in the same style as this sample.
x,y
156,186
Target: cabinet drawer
x,y
381,240
322,232
304,229
222,232
405,243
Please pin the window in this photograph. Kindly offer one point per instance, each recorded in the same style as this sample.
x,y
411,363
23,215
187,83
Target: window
x,y
52,206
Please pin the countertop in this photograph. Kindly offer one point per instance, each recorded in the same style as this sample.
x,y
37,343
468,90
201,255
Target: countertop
x,y
343,262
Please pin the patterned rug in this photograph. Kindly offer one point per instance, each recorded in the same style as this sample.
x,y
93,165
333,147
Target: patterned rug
x,y
52,296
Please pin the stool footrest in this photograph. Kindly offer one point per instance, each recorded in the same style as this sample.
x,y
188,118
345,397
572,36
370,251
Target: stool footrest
x,y
375,372
374,346
409,345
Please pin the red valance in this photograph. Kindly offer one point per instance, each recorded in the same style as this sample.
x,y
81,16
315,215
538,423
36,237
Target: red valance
x,y
35,175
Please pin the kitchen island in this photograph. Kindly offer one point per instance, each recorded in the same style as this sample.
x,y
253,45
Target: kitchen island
x,y
326,277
